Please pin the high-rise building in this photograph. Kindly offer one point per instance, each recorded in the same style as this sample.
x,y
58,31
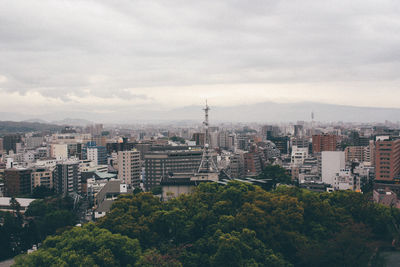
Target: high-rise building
x,y
332,163
355,153
324,142
269,131
129,167
387,160
97,154
298,130
159,164
252,163
67,178
236,165
282,143
17,181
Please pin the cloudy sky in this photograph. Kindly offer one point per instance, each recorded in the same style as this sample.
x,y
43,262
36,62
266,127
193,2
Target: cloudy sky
x,y
121,56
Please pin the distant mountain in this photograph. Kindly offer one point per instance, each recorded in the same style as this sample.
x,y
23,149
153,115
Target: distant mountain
x,y
7,127
261,113
285,112
36,120
73,122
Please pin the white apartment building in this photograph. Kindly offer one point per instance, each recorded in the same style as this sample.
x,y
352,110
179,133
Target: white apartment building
x,y
331,164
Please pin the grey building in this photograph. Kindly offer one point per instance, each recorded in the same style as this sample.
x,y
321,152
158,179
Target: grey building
x,y
159,164
67,178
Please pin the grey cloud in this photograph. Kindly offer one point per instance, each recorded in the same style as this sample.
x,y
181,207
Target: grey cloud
x,y
57,47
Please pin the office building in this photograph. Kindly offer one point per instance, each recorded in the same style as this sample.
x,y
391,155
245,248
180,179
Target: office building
x,y
159,164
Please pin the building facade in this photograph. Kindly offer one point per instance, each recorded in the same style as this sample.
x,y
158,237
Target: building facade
x,y
129,167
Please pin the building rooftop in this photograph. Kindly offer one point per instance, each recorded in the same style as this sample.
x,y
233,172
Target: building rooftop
x,y
24,202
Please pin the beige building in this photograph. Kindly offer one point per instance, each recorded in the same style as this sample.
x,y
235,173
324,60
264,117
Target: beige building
x,y
42,176
129,167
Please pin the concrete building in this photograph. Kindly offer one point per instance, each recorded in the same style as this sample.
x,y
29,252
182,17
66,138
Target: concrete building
x,y
386,197
387,160
298,156
59,151
129,167
10,142
67,178
17,181
106,196
97,154
331,164
33,142
158,164
252,163
42,177
324,142
236,165
199,138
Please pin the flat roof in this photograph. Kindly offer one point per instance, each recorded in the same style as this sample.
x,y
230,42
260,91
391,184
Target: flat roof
x,y
24,202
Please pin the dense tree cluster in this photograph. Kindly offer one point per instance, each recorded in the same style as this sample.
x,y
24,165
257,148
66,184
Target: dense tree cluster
x,y
85,246
234,225
18,232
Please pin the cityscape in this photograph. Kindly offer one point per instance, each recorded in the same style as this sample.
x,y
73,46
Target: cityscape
x,y
199,133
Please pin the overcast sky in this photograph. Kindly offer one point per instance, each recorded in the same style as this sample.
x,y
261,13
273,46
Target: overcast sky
x,y
120,56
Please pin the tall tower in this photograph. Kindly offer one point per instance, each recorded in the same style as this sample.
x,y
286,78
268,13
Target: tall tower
x,y
207,164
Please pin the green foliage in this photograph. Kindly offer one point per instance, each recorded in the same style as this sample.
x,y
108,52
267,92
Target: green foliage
x,y
84,246
277,174
43,217
177,139
42,192
243,225
156,190
234,225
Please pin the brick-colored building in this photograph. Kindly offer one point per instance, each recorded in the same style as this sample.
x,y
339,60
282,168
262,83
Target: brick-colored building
x,y
387,160
324,142
17,181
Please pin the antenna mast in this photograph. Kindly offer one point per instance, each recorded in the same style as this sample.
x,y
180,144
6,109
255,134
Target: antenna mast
x,y
207,165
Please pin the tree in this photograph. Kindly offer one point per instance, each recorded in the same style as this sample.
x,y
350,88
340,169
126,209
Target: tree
x,y
42,192
276,174
88,245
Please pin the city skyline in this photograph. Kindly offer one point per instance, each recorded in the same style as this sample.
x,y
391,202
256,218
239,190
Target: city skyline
x,y
113,59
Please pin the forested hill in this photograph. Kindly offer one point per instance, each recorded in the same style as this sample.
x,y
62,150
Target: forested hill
x,y
7,127
234,225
